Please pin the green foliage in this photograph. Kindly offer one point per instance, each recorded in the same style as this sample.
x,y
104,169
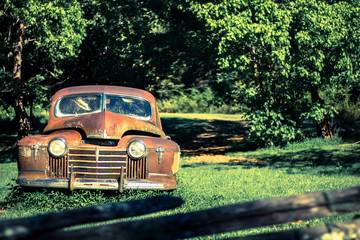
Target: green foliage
x,y
51,35
271,128
318,112
323,52
195,101
55,28
277,58
112,52
287,58
39,113
7,113
345,102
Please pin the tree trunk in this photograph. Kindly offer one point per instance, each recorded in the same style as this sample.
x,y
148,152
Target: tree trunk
x,y
21,115
256,67
326,130
323,129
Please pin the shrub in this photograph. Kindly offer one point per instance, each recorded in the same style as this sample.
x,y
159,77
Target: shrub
x,y
270,128
7,113
195,101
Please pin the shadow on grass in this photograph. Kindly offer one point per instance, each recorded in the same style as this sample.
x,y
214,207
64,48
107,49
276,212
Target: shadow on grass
x,y
316,161
197,136
213,137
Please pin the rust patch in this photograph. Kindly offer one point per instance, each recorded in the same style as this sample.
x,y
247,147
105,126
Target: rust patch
x,y
25,152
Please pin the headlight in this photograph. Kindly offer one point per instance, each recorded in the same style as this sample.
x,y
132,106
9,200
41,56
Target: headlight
x,y
136,149
57,147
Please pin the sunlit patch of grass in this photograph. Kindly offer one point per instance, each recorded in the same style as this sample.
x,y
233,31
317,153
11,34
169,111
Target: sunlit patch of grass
x,y
218,159
228,183
206,116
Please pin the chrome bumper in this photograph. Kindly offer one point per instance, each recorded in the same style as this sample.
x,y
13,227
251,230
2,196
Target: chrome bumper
x,y
156,182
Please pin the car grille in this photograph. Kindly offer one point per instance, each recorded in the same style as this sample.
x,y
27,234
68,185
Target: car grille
x,y
58,167
136,169
97,163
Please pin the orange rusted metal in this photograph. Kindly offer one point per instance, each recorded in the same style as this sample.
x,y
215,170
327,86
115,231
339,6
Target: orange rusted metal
x,y
93,144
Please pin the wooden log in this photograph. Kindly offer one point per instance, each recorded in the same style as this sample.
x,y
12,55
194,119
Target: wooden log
x,y
223,219
32,226
345,230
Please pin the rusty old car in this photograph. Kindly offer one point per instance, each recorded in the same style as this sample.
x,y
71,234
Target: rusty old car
x,y
100,137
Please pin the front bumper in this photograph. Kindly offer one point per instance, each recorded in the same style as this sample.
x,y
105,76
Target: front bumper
x,y
153,182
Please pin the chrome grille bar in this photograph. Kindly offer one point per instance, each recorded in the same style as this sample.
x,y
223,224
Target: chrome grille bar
x,y
97,162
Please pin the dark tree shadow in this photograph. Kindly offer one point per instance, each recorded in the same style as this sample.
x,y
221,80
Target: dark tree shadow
x,y
197,137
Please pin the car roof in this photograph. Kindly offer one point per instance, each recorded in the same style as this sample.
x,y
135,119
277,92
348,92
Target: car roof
x,y
106,89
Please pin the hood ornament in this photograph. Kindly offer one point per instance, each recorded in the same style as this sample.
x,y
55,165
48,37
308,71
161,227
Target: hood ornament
x,y
160,150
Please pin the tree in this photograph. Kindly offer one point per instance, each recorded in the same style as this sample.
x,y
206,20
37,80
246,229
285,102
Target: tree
x,y
37,37
280,57
325,55
252,55
112,52
145,44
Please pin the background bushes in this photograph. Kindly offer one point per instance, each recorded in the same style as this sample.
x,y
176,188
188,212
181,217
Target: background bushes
x,y
196,101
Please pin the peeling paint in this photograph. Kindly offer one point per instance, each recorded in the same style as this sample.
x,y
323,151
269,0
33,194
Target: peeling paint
x,y
25,152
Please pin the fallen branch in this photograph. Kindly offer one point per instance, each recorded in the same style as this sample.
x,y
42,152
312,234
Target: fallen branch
x,y
346,230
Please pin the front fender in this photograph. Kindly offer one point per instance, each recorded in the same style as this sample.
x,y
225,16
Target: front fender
x,y
33,153
163,155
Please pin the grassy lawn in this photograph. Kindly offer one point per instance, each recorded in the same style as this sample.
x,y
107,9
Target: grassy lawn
x,y
209,178
204,116
8,174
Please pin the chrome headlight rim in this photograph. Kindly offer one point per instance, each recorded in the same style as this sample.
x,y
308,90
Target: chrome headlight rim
x,y
130,152
64,151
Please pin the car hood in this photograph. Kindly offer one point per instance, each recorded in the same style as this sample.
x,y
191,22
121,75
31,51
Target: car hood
x,y
105,125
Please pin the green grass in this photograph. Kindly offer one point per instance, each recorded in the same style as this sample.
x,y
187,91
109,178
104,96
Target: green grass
x,y
205,116
218,184
309,166
8,174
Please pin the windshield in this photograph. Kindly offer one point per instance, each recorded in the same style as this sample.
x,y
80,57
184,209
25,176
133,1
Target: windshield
x,y
81,104
74,105
128,106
